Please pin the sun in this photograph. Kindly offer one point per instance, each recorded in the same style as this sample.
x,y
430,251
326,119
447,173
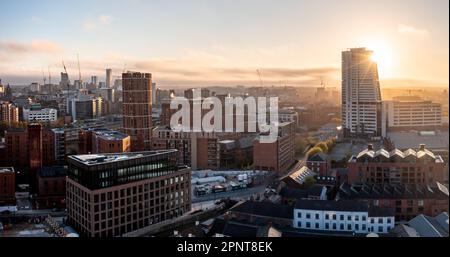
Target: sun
x,y
383,56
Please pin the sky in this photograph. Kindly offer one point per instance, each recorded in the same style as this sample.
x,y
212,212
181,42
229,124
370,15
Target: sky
x,y
186,43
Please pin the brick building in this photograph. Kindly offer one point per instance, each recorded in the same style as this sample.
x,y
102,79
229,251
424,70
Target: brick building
x,y
103,141
407,200
278,156
408,167
51,187
7,186
113,194
137,109
320,164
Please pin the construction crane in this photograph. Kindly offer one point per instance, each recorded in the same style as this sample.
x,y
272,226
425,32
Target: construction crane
x,y
79,70
259,75
49,76
43,76
68,86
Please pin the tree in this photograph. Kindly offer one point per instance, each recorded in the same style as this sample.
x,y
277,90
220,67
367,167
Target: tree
x,y
323,146
313,151
309,181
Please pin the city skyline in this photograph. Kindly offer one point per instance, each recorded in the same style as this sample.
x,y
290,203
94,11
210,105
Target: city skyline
x,y
222,43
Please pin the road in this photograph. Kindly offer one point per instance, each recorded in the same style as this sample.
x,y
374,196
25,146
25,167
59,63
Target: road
x,y
243,193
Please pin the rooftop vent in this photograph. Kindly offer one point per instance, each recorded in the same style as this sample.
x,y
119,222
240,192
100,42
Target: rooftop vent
x,y
422,147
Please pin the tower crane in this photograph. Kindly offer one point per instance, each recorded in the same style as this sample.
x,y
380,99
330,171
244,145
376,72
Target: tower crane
x,y
79,70
43,76
259,75
49,76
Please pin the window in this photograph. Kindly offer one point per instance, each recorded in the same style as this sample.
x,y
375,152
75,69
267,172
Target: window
x,y
308,216
317,216
334,216
327,216
380,229
308,225
317,225
341,226
342,217
356,226
363,218
299,215
357,217
299,224
349,217
372,220
327,226
349,227
363,227
334,225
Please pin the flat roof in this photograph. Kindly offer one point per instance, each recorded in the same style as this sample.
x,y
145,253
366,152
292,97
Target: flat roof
x,y
411,139
96,159
6,170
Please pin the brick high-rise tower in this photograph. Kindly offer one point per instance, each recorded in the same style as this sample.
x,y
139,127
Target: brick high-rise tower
x,y
137,109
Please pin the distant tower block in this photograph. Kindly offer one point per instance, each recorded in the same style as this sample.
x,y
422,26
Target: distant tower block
x,y
137,109
108,78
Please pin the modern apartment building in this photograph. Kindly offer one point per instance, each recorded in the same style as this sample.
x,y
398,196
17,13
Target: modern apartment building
x,y
113,194
42,115
137,109
9,113
412,113
361,97
86,107
419,167
198,150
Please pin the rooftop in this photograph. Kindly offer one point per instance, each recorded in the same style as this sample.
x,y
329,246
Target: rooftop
x,y
434,141
299,175
52,171
267,209
394,191
428,226
6,170
96,159
324,205
370,154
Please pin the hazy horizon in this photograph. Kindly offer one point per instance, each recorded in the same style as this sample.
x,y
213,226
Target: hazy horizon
x,y
223,43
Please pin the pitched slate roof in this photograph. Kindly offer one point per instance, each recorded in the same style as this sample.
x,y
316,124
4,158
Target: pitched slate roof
x,y
266,209
397,191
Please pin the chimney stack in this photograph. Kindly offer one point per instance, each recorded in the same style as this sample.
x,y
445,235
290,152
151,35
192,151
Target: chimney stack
x,y
422,147
369,147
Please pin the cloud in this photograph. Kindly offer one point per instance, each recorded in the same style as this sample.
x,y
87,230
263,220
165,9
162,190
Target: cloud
x,y
36,46
405,29
101,20
104,19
